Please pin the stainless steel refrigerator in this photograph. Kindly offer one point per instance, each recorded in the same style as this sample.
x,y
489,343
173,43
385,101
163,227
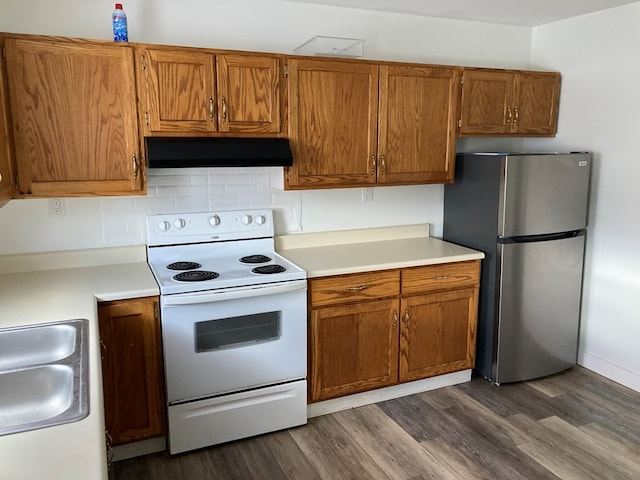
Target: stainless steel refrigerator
x,y
528,213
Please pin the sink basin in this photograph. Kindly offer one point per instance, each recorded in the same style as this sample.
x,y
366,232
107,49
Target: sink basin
x,y
35,394
43,375
36,345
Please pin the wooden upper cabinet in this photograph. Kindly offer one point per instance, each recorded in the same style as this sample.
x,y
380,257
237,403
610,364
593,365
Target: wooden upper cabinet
x,y
417,124
504,102
201,92
75,127
333,109
7,168
355,123
249,93
179,91
538,96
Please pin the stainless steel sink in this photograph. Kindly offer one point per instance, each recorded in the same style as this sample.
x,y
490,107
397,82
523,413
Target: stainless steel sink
x,y
43,375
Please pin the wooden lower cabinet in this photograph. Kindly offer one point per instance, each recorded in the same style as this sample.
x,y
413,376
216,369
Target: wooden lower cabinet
x,y
438,333
132,372
355,348
422,324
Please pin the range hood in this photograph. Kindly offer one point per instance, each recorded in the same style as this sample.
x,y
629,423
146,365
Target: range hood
x,y
172,152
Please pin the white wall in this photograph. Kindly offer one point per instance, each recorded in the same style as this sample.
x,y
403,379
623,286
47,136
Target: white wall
x,y
598,57
257,25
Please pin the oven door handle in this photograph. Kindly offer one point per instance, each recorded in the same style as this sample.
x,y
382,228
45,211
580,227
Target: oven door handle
x,y
233,293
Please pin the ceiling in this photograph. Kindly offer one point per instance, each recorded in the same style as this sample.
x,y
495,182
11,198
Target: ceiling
x,y
527,13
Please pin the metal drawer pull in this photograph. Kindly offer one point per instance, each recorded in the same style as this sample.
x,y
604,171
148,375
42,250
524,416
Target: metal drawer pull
x,y
395,319
224,108
211,107
440,277
357,289
406,317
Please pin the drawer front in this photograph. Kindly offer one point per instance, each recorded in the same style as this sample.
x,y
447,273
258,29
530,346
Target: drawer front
x,y
352,288
440,277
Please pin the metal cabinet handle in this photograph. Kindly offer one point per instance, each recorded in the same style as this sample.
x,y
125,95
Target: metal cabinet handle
x,y
406,317
516,114
358,288
373,164
395,319
224,108
211,108
509,115
383,165
135,167
440,277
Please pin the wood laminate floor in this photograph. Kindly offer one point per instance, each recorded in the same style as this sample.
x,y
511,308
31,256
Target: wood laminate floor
x,y
574,425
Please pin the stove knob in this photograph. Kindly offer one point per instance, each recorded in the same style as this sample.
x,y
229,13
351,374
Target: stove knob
x,y
260,220
246,219
214,221
180,223
164,226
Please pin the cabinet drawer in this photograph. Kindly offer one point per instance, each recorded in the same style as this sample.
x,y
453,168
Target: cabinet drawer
x,y
440,277
352,288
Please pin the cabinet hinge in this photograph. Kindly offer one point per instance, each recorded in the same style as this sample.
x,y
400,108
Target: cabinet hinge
x,y
286,71
143,62
146,118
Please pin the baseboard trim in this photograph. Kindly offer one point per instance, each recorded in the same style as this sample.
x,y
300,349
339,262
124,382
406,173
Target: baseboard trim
x,y
387,393
610,370
138,449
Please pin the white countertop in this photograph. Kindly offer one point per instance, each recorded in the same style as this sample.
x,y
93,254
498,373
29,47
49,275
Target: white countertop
x,y
352,251
74,450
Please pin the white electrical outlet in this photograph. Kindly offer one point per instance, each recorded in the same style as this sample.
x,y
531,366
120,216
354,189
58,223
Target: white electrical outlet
x,y
367,194
56,207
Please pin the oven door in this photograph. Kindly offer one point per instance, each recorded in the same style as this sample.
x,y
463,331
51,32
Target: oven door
x,y
235,339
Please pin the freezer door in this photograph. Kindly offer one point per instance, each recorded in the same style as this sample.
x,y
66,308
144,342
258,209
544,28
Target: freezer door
x,y
540,287
543,194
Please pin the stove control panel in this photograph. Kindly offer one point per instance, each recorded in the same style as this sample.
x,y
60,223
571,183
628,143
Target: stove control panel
x,y
177,228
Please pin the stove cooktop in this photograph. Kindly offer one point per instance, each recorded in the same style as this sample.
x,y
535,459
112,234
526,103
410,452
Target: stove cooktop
x,y
210,251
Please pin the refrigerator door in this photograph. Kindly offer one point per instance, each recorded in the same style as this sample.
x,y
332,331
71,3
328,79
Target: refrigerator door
x,y
543,193
540,286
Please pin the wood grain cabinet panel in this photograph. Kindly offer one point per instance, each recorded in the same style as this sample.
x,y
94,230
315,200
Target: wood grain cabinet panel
x,y
366,332
133,379
355,123
354,288
417,124
506,102
75,128
7,167
355,348
207,92
438,333
333,108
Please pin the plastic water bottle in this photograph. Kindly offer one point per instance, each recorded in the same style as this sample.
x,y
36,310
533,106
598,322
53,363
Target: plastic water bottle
x,y
119,24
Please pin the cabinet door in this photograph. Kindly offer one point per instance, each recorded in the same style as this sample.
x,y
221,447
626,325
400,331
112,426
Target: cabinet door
x,y
249,94
353,348
486,106
74,117
417,124
133,381
179,94
6,158
438,333
536,108
333,108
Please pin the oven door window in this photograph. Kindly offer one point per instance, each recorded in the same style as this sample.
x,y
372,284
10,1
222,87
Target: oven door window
x,y
239,331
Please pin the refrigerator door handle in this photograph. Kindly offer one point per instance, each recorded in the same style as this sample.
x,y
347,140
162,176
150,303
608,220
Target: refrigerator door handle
x,y
541,238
